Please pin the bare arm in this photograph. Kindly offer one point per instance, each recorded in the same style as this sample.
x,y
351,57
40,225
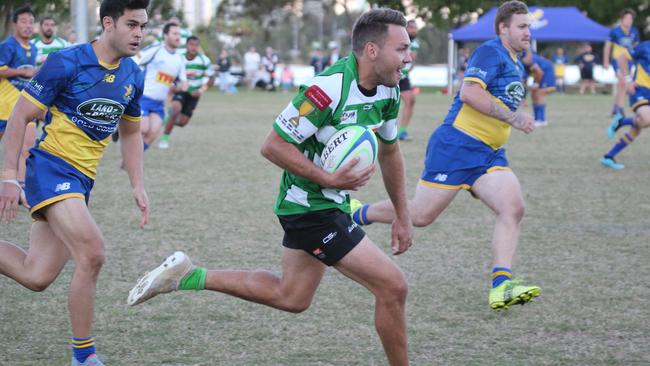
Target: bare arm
x,y
132,152
392,171
288,157
607,51
23,112
476,97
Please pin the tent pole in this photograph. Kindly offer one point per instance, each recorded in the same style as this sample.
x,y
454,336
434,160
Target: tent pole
x,y
451,56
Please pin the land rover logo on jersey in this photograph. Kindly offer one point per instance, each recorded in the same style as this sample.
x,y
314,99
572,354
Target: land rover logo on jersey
x,y
101,110
515,91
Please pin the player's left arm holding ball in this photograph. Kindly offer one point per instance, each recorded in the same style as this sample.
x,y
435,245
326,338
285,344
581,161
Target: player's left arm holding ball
x,y
132,153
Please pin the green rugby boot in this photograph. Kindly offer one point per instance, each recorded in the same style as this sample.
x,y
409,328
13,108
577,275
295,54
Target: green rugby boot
x,y
512,292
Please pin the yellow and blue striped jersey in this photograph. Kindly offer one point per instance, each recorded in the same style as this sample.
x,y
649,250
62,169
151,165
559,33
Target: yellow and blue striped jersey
x,y
641,57
500,73
87,98
14,55
623,42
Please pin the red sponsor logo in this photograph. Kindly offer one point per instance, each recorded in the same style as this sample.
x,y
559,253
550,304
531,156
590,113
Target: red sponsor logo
x,y
318,97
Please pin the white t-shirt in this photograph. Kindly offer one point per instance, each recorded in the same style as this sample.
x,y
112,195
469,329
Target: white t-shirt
x,y
162,68
252,60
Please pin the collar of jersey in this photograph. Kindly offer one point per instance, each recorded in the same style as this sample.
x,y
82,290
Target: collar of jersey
x,y
103,64
27,47
352,66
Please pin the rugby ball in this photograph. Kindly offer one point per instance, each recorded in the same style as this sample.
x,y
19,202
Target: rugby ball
x,y
349,143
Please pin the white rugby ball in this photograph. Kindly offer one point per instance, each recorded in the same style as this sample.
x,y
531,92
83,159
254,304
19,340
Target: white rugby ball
x,y
349,143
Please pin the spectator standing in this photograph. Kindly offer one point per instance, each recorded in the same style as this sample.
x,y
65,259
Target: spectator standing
x,y
223,63
270,62
286,78
560,60
252,61
317,61
585,62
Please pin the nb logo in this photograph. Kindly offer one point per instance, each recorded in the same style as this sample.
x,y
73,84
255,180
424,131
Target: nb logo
x,y
62,187
109,78
440,177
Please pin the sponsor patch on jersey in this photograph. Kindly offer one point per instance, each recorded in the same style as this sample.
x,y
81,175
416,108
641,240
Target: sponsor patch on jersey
x,y
164,78
349,117
101,110
317,96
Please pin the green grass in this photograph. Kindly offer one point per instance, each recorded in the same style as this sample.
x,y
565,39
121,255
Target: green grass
x,y
584,241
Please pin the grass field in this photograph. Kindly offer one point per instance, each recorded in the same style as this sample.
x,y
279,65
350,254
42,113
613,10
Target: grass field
x,y
585,242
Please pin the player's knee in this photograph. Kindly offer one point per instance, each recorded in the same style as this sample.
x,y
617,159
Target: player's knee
x,y
395,291
516,210
39,284
298,306
422,218
93,257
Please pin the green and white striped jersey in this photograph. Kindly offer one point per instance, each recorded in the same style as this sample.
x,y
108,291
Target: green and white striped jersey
x,y
327,103
44,49
198,70
415,46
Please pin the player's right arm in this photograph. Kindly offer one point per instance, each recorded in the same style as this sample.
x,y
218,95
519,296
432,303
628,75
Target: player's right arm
x,y
607,50
285,155
478,98
483,68
293,127
24,112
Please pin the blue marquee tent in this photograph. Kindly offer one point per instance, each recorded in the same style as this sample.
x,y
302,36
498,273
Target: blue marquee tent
x,y
550,24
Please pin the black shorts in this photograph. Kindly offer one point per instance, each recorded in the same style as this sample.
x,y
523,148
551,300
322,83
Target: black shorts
x,y
327,235
587,74
188,102
405,84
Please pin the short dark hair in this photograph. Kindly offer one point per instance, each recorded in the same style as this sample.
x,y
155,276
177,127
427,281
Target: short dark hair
x,y
372,26
22,10
192,38
169,26
115,8
47,17
627,11
506,11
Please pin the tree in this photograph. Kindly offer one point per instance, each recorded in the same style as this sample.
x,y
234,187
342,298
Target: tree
x,y
57,8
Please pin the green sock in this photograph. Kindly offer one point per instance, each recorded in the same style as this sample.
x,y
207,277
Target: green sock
x,y
194,280
402,129
164,137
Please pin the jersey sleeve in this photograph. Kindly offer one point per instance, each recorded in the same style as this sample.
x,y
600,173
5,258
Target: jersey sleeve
x,y
6,55
133,112
146,56
209,71
306,113
612,35
387,133
49,81
483,66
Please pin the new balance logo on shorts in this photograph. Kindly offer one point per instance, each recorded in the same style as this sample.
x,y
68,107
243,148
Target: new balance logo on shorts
x,y
440,177
62,187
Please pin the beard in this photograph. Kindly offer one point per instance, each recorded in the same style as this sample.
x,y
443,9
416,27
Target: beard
x,y
48,34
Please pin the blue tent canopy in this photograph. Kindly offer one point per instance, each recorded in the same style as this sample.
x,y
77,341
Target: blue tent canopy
x,y
550,24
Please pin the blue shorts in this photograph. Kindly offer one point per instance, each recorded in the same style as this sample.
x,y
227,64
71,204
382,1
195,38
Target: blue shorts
x,y
148,106
3,125
50,179
616,66
548,81
640,98
456,160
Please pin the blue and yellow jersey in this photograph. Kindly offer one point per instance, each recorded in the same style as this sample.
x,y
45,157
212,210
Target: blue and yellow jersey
x,y
623,42
14,55
641,57
87,98
500,73
559,64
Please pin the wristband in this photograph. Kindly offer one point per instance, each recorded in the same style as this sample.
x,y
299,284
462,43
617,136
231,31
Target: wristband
x,y
14,182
